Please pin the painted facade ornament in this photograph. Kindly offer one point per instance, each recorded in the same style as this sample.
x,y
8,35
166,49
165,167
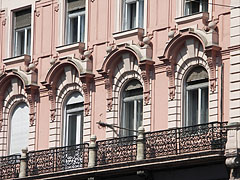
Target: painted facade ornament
x,y
211,53
145,67
31,94
52,98
86,80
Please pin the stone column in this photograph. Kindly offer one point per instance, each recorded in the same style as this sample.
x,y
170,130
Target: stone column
x,y
233,143
23,163
92,151
140,143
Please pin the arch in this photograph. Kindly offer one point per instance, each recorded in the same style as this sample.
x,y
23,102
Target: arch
x,y
176,43
113,57
55,69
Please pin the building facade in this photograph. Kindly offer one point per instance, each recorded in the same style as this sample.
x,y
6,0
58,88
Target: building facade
x,y
156,82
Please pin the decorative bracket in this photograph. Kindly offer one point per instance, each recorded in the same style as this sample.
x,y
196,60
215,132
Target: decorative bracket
x,y
211,53
108,87
52,98
31,94
145,67
86,80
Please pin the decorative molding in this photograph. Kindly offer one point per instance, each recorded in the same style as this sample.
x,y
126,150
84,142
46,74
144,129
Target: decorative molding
x,y
108,87
171,75
56,8
86,80
211,53
37,13
31,94
4,22
145,67
52,98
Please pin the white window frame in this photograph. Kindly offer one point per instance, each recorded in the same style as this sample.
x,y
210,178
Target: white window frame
x,y
181,8
79,129
81,31
137,118
188,11
198,87
26,47
126,19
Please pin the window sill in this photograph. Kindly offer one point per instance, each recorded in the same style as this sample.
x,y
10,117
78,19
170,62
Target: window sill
x,y
128,33
70,47
190,18
17,59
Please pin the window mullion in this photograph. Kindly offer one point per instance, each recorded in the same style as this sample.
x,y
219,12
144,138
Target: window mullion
x,y
16,42
135,116
25,41
199,105
137,14
78,29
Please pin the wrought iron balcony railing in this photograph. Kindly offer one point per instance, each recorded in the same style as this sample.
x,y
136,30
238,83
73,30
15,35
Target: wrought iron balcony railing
x,y
57,159
209,137
9,166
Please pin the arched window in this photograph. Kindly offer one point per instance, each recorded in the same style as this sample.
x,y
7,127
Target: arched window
x,y
132,107
19,128
73,120
196,97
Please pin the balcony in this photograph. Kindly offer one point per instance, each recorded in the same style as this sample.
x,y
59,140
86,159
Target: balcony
x,y
165,145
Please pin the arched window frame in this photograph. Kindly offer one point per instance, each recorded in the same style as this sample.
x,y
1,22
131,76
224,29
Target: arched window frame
x,y
74,112
12,110
199,88
137,100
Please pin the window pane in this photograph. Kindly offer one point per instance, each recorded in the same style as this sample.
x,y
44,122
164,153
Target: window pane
x,y
139,113
20,40
82,27
195,6
204,105
28,41
192,109
73,30
72,130
129,118
19,128
132,14
141,13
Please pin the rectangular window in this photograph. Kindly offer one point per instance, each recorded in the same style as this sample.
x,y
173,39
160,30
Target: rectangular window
x,y
75,31
195,6
133,13
22,32
197,104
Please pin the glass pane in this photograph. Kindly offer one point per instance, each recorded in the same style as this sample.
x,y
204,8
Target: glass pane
x,y
139,113
187,8
28,41
129,118
195,6
204,5
141,13
204,105
20,37
19,128
132,15
73,30
82,27
72,130
192,109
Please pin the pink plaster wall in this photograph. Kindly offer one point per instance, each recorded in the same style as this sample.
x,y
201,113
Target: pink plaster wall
x,y
101,24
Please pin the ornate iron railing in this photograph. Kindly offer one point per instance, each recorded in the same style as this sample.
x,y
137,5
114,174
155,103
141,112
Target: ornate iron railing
x,y
57,159
116,150
211,136
9,166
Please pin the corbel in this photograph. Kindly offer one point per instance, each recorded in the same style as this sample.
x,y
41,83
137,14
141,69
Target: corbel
x,y
86,80
31,94
211,53
145,67
52,98
108,87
